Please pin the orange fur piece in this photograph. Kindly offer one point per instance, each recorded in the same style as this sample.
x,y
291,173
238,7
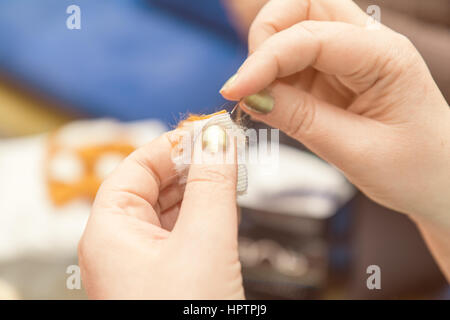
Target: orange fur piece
x,y
86,186
196,117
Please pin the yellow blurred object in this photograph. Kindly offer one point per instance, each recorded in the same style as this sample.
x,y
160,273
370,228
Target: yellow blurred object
x,y
22,114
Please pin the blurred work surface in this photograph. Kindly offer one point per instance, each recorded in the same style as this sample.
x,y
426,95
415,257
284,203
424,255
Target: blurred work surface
x,y
130,60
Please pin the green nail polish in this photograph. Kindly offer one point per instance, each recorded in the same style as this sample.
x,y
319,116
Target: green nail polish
x,y
261,102
229,81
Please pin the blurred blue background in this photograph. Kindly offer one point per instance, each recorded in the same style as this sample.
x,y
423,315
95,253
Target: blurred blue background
x,y
132,59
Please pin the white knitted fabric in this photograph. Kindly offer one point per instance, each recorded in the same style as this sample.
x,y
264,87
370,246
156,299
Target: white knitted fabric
x,y
182,159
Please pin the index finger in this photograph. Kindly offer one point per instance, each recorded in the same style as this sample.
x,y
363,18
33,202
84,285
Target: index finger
x,y
276,16
335,48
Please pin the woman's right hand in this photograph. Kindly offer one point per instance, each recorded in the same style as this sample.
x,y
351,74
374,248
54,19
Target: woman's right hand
x,y
362,99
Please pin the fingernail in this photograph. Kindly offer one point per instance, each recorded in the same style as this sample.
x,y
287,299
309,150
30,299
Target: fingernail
x,y
261,102
228,82
214,139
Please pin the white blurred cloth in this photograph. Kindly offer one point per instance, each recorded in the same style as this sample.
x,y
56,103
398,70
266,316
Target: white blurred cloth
x,y
297,183
30,225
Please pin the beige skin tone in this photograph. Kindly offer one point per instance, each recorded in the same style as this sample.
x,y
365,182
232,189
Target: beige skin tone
x,y
362,100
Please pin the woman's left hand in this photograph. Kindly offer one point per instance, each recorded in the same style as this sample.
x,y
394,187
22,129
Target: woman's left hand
x,y
150,238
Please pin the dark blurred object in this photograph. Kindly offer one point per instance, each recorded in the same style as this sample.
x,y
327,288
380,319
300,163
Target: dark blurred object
x,y
432,11
295,257
295,254
426,24
391,241
282,256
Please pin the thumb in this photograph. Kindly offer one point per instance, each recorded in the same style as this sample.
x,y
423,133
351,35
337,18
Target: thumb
x,y
208,213
336,135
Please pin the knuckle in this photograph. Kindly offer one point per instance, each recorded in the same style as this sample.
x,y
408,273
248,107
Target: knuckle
x,y
260,27
212,176
301,122
402,58
266,26
309,30
404,47
308,25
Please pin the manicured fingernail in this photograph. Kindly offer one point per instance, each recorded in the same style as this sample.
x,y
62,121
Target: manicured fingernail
x,y
214,139
261,102
228,82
